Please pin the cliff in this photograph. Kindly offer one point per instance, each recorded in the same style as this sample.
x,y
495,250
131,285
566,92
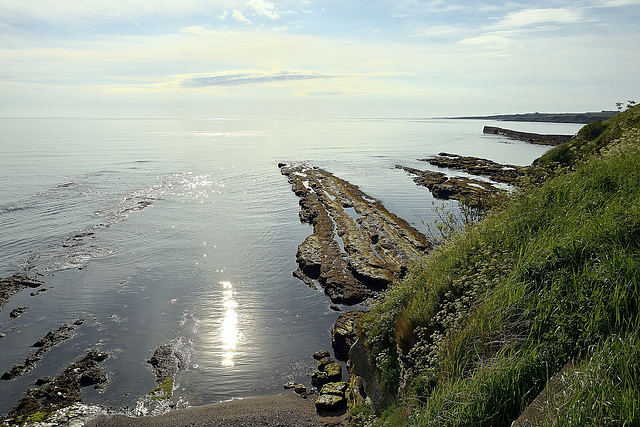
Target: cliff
x,y
547,285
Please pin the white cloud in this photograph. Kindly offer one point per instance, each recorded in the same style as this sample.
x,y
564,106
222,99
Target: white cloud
x,y
265,8
618,3
533,17
238,16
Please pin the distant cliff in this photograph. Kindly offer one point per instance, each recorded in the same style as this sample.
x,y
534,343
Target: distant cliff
x,y
547,117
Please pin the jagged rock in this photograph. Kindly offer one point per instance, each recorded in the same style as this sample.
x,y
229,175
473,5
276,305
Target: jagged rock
x,y
344,334
14,284
330,403
166,361
497,172
17,312
51,339
376,244
94,376
290,385
300,389
458,188
64,390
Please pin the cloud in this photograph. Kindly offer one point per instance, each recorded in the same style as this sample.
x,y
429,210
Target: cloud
x,y
235,79
265,8
238,16
534,17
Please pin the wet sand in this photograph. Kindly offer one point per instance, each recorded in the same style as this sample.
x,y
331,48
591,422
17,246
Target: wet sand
x,y
287,409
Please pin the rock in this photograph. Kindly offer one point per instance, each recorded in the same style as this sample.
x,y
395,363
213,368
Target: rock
x,y
64,390
300,389
14,284
167,360
319,378
333,371
533,138
17,312
44,380
376,245
458,188
38,292
335,308
2,335
290,385
51,339
322,363
356,394
93,376
338,388
344,333
330,403
498,172
321,354
361,366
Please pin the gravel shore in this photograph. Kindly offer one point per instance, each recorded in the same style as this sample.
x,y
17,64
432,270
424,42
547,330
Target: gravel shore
x,y
287,409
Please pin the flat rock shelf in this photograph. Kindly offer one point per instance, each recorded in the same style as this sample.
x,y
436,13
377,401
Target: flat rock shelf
x,y
357,247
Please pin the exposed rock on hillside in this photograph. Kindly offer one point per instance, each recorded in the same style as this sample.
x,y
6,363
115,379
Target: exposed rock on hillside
x,y
357,247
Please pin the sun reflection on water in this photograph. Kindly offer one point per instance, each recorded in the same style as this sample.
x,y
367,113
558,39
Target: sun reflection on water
x,y
229,332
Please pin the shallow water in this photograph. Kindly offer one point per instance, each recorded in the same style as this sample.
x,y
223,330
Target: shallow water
x,y
184,230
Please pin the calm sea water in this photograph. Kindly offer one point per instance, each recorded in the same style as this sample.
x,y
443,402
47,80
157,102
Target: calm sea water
x,y
184,231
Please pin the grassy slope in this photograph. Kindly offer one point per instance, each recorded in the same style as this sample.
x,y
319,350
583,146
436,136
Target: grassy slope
x,y
480,325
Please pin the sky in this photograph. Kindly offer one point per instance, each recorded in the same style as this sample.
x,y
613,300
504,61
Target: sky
x,y
342,58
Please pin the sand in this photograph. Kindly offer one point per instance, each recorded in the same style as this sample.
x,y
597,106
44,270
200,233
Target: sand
x,y
287,409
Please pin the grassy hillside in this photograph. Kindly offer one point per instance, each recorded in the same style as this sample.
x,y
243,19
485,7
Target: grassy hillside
x,y
552,279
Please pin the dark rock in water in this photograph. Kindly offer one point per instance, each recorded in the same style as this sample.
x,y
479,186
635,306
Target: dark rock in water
x,y
534,138
321,354
56,336
93,376
376,245
14,284
64,390
38,292
44,380
344,333
51,339
497,172
330,403
335,308
17,312
300,389
166,361
2,335
458,188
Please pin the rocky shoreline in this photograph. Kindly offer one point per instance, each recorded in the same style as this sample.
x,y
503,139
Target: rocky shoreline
x,y
357,247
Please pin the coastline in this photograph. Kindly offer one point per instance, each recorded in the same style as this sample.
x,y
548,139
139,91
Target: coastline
x,y
284,409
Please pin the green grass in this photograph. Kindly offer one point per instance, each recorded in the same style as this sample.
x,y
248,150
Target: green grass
x,y
481,324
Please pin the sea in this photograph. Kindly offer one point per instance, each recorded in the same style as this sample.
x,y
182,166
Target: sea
x,y
183,231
